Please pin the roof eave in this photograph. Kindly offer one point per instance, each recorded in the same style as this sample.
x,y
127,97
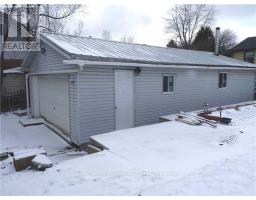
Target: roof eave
x,y
88,63
243,49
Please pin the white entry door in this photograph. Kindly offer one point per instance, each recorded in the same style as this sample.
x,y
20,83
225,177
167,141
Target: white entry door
x,y
54,101
124,114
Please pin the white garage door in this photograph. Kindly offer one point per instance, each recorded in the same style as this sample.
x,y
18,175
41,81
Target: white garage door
x,y
54,101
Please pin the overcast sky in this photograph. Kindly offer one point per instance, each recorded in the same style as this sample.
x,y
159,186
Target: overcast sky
x,y
145,19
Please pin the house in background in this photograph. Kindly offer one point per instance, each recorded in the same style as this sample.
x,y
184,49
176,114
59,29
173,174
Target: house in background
x,y
245,50
13,88
13,81
86,86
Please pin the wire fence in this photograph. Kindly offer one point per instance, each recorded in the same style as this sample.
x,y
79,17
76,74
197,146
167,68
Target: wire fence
x,y
13,101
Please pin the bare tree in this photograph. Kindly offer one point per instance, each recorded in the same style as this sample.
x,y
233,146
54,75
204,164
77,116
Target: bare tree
x,y
228,39
52,17
79,29
127,39
106,35
183,21
49,18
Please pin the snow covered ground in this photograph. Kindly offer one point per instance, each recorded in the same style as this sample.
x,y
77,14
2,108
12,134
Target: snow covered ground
x,y
15,137
170,158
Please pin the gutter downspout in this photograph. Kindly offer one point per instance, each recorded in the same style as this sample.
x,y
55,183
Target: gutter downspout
x,y
27,97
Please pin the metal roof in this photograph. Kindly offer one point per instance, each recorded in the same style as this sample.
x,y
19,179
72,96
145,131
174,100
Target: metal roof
x,y
104,50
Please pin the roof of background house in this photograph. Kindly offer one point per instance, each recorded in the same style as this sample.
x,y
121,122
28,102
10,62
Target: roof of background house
x,y
11,63
247,44
16,70
104,50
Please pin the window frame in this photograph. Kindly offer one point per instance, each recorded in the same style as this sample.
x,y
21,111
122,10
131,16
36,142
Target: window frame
x,y
226,85
174,84
253,57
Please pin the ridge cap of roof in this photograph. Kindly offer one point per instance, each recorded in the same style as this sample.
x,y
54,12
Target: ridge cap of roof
x,y
250,37
136,44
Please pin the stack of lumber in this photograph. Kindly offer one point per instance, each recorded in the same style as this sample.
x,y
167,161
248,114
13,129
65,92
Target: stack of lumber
x,y
194,120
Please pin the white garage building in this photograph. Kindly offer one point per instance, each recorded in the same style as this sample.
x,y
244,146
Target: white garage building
x,y
86,86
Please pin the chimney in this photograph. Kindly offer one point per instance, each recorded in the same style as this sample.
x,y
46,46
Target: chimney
x,y
217,41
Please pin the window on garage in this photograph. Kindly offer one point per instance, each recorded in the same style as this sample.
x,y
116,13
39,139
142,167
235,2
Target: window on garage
x,y
223,79
168,83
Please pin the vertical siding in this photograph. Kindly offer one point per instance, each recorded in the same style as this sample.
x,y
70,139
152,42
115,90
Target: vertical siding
x,y
50,60
192,89
96,94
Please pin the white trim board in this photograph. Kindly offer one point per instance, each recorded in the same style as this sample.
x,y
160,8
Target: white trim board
x,y
86,63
